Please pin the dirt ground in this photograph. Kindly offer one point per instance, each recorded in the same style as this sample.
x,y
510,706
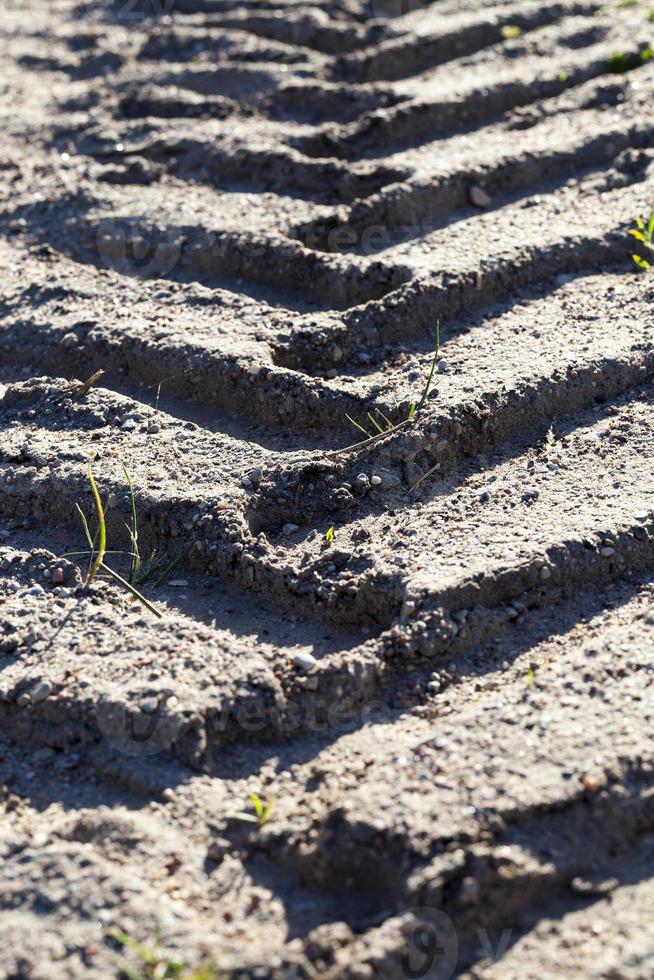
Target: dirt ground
x,y
428,656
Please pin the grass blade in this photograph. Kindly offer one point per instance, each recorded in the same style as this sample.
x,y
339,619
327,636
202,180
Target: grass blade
x,y
102,531
87,532
427,388
375,423
135,563
357,426
130,588
173,565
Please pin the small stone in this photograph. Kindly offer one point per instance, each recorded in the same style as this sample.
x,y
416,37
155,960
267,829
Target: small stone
x,y
68,341
178,583
289,529
35,590
607,552
40,691
479,197
304,661
408,608
545,573
442,366
376,481
256,475
128,425
469,891
57,576
387,480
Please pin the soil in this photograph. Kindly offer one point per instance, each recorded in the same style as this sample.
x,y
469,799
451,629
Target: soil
x,y
431,651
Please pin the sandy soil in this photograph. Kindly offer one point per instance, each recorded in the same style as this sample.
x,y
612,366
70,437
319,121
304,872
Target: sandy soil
x,y
251,217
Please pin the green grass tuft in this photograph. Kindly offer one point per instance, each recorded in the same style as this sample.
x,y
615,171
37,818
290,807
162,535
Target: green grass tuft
x,y
155,963
382,426
139,572
644,233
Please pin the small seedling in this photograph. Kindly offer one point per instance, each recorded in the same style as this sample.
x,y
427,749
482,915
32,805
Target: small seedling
x,y
643,232
623,61
97,551
563,76
329,535
156,964
510,32
140,572
261,814
382,426
531,677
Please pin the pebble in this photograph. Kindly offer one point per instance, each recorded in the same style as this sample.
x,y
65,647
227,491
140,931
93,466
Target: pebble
x,y
40,691
387,480
290,529
607,552
304,661
479,197
178,583
35,590
469,891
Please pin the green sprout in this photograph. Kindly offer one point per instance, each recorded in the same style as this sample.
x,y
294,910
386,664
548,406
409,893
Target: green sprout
x,y
644,232
261,814
97,551
623,61
329,535
510,32
156,964
382,426
139,571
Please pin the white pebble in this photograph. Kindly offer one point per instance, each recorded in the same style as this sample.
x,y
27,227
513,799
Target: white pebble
x,y
304,661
